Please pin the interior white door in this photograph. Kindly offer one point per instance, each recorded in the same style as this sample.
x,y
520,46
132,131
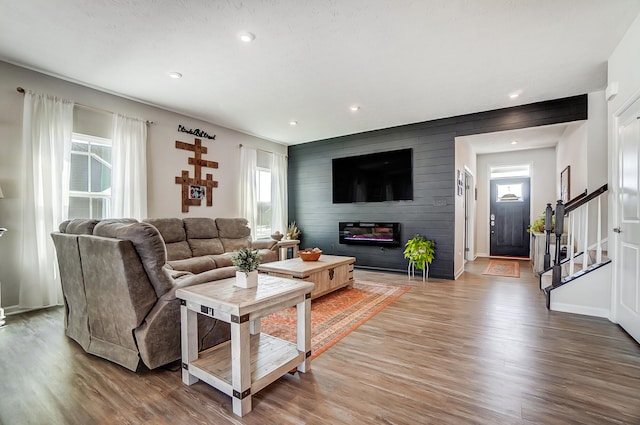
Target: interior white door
x,y
628,222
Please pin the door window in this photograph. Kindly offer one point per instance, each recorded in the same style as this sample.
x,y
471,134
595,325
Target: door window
x,y
509,192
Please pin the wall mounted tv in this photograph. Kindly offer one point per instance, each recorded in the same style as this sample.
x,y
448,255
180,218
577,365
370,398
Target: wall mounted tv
x,y
376,177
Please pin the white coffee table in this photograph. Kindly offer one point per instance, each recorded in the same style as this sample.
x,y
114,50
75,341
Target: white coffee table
x,y
250,360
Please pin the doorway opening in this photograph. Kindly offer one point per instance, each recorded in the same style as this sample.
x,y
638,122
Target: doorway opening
x,y
509,215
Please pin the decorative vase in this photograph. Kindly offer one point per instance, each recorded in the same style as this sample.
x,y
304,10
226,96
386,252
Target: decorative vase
x,y
247,280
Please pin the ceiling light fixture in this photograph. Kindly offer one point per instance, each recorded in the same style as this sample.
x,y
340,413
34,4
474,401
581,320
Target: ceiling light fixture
x,y
515,142
514,95
354,108
175,75
247,37
293,122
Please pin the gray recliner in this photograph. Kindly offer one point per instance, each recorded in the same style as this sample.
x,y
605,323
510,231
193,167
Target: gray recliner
x,y
119,294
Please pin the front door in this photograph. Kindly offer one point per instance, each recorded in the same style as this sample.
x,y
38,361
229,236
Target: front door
x,y
627,274
509,217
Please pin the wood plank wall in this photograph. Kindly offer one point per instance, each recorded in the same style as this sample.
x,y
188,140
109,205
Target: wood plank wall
x,y
431,213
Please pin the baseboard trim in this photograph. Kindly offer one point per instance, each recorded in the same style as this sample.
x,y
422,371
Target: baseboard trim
x,y
16,309
579,309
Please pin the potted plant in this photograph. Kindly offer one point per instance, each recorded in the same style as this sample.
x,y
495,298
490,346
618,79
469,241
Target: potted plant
x,y
538,224
293,232
246,262
420,253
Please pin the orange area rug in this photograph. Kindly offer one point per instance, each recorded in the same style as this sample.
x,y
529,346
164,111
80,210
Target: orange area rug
x,y
506,268
335,315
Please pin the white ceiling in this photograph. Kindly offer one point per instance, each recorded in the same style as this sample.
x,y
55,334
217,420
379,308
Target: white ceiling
x,y
402,61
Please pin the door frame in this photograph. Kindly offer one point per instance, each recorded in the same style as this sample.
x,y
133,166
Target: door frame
x,y
469,215
490,166
614,196
526,237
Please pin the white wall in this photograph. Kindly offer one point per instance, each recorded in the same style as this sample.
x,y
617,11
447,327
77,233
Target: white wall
x,y
542,186
583,146
598,164
465,160
164,161
572,151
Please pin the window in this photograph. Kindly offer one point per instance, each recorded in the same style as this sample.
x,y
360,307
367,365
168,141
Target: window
x,y
263,195
509,193
505,171
90,177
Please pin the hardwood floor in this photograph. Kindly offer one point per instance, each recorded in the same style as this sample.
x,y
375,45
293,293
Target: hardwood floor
x,y
479,350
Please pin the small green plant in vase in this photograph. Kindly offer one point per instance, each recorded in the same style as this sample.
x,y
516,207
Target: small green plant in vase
x,y
420,253
246,262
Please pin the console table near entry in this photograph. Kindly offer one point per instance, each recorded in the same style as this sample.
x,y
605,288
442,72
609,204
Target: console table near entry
x,y
251,360
284,246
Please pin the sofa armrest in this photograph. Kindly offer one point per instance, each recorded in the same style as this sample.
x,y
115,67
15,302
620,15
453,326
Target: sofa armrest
x,y
264,244
196,279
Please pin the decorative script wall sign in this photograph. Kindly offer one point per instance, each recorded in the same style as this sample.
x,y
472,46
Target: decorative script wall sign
x,y
197,132
195,189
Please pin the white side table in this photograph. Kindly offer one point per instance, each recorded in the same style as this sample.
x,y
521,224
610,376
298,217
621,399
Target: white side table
x,y
251,360
284,246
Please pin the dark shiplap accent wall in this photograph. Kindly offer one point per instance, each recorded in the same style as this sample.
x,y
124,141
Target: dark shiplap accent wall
x,y
431,213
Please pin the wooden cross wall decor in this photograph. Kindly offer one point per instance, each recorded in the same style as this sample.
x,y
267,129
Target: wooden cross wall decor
x,y
191,194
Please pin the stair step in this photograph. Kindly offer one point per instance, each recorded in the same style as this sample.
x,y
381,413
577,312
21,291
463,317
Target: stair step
x,y
574,276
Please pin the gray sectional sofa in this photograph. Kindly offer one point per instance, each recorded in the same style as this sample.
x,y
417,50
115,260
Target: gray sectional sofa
x,y
119,278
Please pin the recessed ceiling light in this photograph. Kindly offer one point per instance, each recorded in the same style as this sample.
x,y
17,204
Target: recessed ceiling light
x,y
247,37
514,95
515,142
293,122
354,108
175,75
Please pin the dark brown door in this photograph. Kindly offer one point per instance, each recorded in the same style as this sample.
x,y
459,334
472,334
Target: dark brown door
x,y
509,217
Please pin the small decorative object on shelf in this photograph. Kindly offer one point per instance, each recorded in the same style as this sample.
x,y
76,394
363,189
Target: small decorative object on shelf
x,y
420,253
293,232
246,262
310,254
277,236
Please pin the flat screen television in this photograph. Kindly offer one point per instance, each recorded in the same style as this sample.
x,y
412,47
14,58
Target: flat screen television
x,y
376,177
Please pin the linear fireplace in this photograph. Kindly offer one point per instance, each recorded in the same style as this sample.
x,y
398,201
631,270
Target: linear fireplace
x,y
368,233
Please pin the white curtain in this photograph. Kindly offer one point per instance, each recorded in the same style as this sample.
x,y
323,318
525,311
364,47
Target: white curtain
x,y
46,148
248,197
279,193
129,168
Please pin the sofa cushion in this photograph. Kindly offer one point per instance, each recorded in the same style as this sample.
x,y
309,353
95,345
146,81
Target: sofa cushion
x,y
148,244
200,228
234,244
268,255
175,238
223,260
233,228
202,236
78,226
193,265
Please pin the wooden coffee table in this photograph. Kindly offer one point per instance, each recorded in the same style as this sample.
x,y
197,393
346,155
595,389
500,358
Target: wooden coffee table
x,y
329,273
251,360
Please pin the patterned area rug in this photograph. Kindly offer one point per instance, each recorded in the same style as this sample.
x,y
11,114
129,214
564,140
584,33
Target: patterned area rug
x,y
335,315
506,268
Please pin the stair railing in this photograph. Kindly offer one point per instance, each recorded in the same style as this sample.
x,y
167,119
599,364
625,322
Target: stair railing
x,y
577,211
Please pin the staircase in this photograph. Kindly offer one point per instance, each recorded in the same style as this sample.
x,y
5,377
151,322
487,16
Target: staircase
x,y
581,282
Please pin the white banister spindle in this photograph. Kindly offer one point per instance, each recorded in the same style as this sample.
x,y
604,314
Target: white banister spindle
x,y
570,243
585,242
599,232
